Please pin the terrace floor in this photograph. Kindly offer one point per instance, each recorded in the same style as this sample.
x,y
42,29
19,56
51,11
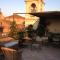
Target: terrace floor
x,y
45,53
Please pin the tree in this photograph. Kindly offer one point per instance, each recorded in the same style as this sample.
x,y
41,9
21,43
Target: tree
x,y
13,30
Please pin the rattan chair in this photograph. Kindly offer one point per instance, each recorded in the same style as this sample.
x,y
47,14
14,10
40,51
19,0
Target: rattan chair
x,y
11,54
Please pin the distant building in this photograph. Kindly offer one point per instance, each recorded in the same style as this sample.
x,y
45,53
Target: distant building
x,y
18,19
5,22
33,6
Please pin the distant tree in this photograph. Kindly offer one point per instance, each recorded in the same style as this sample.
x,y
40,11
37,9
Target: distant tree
x,y
13,30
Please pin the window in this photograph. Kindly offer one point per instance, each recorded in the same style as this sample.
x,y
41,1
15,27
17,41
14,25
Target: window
x,y
33,8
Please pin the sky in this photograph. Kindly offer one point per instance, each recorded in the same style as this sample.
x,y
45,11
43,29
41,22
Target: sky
x,y
52,5
8,7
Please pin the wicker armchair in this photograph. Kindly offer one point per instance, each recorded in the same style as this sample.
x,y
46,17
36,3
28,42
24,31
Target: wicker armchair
x,y
11,54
